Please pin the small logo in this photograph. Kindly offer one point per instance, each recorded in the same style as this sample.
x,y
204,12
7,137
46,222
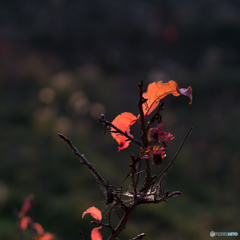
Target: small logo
x,y
212,233
221,234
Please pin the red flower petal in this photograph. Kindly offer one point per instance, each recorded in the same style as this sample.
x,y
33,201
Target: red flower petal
x,y
95,212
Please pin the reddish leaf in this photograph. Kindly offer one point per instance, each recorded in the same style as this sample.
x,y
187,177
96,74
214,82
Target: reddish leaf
x,y
38,228
26,206
156,134
123,122
159,90
24,222
95,234
45,236
95,212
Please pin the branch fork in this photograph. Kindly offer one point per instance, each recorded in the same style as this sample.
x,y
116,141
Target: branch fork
x,y
150,192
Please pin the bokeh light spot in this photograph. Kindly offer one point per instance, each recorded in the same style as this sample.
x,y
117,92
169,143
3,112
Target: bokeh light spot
x,y
63,125
97,109
79,102
63,80
44,114
46,95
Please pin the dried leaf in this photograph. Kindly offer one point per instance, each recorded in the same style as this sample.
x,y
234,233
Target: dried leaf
x,y
95,234
159,90
95,212
123,122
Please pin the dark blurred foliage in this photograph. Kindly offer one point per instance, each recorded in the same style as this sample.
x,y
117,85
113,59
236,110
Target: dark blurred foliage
x,y
63,63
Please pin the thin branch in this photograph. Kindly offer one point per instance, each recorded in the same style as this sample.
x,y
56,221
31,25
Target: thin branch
x,y
80,234
154,117
107,123
103,184
85,162
138,172
163,199
140,236
103,225
171,163
133,166
121,226
123,205
140,103
148,177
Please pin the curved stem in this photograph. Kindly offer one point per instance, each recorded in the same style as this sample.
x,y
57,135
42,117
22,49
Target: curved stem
x,y
122,225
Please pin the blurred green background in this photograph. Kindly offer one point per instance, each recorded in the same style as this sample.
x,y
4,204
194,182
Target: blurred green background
x,y
63,63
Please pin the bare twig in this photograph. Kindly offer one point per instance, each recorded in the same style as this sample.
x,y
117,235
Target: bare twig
x,y
103,225
171,163
155,116
140,103
84,161
139,172
107,190
133,172
121,226
140,236
80,234
163,199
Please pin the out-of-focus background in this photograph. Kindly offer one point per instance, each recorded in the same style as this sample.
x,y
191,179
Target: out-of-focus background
x,y
63,63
